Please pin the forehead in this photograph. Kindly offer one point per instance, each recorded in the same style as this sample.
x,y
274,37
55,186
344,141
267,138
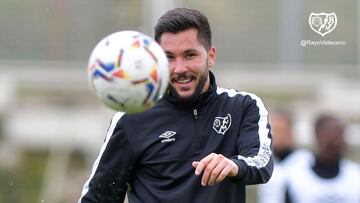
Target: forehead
x,y
180,41
331,129
332,124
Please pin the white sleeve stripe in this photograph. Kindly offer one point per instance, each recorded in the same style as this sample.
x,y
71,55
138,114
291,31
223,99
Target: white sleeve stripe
x,y
110,132
264,154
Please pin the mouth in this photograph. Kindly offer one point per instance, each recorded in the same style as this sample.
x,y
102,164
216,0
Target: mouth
x,y
184,79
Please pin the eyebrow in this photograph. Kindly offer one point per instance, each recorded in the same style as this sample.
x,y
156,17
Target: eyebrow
x,y
190,50
186,51
168,53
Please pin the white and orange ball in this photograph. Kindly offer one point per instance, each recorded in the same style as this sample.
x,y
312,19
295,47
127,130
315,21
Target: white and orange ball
x,y
128,71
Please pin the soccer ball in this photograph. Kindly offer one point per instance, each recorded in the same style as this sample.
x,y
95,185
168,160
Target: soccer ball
x,y
128,71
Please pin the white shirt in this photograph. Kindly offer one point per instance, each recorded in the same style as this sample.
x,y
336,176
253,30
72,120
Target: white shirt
x,y
274,190
305,186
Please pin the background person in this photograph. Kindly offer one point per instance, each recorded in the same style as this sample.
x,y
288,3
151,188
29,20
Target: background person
x,y
286,155
328,176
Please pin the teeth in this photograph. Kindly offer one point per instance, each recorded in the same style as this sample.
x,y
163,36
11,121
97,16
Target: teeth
x,y
184,80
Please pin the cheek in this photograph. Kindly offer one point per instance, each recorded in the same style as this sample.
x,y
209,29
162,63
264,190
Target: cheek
x,y
199,65
171,66
194,66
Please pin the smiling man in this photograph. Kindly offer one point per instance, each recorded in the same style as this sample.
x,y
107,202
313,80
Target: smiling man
x,y
200,143
189,63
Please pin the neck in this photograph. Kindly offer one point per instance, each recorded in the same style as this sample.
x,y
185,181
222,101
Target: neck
x,y
206,85
326,169
281,155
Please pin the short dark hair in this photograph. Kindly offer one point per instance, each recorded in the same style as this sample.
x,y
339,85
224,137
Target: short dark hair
x,y
283,114
181,19
323,119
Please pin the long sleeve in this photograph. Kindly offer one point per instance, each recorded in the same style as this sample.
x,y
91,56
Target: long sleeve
x,y
254,160
112,168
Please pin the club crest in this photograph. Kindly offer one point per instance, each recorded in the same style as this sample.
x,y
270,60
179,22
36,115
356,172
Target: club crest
x,y
322,23
222,124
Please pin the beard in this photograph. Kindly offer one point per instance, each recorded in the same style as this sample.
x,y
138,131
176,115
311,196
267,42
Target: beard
x,y
197,91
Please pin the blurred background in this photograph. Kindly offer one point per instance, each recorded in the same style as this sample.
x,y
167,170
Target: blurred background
x,y
52,126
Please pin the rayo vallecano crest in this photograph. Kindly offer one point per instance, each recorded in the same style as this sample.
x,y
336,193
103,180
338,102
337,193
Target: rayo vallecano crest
x,y
222,124
322,23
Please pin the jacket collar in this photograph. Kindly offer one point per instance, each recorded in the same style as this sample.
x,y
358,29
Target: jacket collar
x,y
198,101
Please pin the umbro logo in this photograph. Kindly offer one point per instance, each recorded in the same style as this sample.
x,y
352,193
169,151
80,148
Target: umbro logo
x,y
167,136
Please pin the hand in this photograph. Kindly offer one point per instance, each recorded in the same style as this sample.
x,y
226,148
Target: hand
x,y
215,167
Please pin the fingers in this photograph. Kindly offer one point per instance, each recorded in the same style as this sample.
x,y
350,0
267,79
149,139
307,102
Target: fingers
x,y
212,173
203,163
223,174
195,164
215,168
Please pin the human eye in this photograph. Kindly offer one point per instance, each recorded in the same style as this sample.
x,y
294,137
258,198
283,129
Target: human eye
x,y
170,57
190,55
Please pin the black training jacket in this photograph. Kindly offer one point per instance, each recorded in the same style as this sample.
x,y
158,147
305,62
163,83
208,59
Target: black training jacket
x,y
149,155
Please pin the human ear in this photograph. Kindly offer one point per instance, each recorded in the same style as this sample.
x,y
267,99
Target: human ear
x,y
211,56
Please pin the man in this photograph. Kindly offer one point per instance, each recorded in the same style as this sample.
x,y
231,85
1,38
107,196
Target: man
x,y
200,143
286,156
283,139
328,176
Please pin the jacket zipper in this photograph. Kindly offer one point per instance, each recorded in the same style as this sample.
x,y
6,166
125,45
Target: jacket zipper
x,y
195,113
197,136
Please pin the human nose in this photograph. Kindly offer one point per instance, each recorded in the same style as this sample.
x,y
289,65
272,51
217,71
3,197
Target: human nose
x,y
178,66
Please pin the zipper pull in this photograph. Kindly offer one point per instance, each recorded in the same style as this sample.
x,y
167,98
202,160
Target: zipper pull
x,y
195,113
